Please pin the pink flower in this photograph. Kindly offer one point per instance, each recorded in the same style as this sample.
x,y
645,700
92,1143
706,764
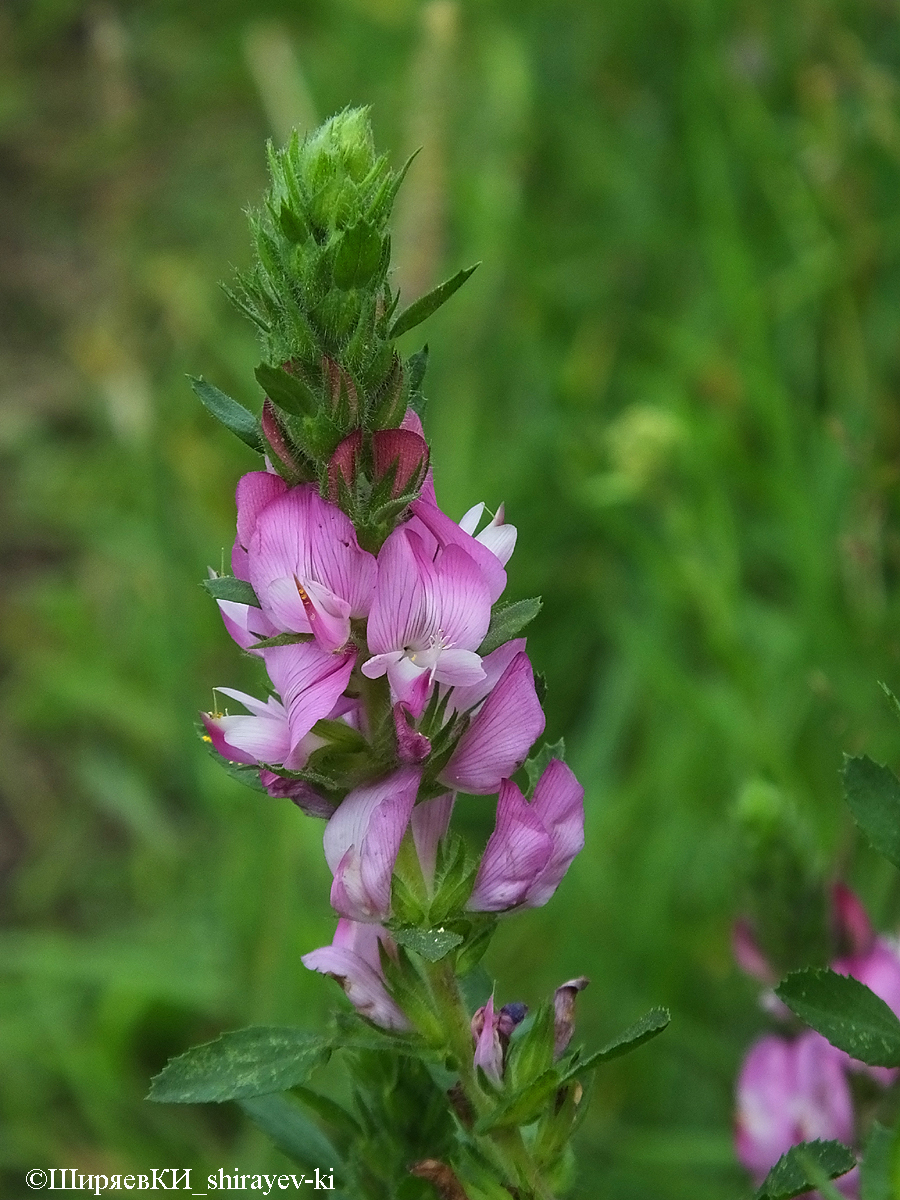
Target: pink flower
x,y
492,1032
278,732
353,960
501,732
790,1092
302,558
439,532
362,840
426,617
533,844
499,537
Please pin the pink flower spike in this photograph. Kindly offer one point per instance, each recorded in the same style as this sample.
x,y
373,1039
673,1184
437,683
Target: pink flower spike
x,y
362,840
855,931
353,961
517,853
501,733
307,569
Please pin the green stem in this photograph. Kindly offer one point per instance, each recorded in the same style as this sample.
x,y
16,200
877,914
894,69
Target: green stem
x,y
506,1147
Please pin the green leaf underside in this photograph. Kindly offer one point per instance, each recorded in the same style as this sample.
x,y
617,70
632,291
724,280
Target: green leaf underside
x,y
846,1012
227,587
241,1064
873,796
231,414
282,1119
791,1174
422,308
430,944
507,620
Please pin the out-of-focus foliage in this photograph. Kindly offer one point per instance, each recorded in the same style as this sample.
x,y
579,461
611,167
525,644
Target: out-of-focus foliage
x,y
679,366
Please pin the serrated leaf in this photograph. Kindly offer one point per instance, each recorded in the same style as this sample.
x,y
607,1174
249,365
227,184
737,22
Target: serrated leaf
x,y
649,1026
231,414
358,256
288,392
538,762
846,1012
284,1121
872,793
507,620
422,308
228,587
430,944
246,1062
791,1174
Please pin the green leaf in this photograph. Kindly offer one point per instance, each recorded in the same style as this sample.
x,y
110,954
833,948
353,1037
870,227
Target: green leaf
x,y
282,1119
358,256
422,308
339,735
523,1106
507,620
873,796
227,587
648,1027
537,764
231,414
430,944
416,365
288,392
846,1012
876,1167
791,1174
246,1062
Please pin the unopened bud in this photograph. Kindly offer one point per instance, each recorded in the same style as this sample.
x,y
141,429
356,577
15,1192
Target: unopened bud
x,y
564,1014
344,465
283,458
404,453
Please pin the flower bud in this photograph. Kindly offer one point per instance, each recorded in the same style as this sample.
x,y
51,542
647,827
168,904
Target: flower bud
x,y
401,457
564,1013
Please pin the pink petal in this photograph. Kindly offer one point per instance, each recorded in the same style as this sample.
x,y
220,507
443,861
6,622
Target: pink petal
x,y
462,599
328,614
493,665
498,740
361,981
310,682
412,746
488,1051
429,822
399,614
254,491
302,537
460,668
246,624
361,843
517,852
448,533
559,805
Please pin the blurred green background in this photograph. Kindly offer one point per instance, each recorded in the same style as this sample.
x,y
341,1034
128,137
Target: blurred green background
x,y
679,365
